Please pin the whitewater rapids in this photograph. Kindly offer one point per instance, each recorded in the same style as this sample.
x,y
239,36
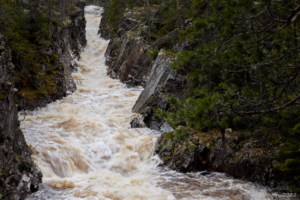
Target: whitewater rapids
x,y
85,148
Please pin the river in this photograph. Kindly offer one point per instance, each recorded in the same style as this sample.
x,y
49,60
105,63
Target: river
x,y
85,148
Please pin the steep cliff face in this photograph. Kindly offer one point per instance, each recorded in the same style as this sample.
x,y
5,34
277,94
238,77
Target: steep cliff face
x,y
241,156
125,55
52,78
18,175
29,87
127,59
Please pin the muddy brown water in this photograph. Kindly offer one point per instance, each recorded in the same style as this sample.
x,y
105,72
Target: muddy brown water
x,y
85,148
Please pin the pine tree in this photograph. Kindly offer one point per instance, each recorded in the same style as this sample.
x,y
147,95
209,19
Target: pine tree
x,y
243,72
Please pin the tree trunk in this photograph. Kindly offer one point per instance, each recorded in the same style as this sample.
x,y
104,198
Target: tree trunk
x,y
49,9
63,10
149,23
183,14
160,14
178,15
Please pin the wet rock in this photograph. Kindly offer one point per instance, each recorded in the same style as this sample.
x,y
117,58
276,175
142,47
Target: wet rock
x,y
136,123
240,157
132,82
166,128
158,74
125,56
127,61
18,175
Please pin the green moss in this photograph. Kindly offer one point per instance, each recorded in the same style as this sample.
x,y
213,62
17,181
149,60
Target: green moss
x,y
232,144
50,86
150,101
153,52
30,94
42,92
192,147
54,58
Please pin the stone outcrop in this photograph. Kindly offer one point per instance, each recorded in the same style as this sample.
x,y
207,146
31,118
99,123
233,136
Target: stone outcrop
x,y
158,75
19,90
126,55
68,40
239,155
18,175
127,60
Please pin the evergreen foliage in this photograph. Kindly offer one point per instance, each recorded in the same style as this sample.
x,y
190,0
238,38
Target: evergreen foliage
x,y
27,25
244,73
243,70
115,12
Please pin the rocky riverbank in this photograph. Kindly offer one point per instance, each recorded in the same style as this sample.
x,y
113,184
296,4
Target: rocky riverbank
x,y
54,79
21,90
18,174
242,155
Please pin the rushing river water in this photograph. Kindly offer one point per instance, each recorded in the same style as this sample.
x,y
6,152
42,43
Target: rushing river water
x,y
86,149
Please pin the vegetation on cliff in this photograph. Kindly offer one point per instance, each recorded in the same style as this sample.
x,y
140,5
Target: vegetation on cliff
x,y
28,27
37,48
242,66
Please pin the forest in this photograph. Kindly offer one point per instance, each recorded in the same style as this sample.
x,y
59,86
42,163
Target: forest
x,y
242,68
29,28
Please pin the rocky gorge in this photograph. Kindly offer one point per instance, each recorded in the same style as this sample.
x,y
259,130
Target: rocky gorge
x,y
82,142
19,175
54,80
241,155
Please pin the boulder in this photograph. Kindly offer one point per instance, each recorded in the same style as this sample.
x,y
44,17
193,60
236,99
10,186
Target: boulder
x,y
137,123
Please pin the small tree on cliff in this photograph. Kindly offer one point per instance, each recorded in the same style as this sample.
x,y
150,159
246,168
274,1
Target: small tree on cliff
x,y
115,12
244,72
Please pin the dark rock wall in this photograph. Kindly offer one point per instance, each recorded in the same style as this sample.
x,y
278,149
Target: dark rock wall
x,y
127,60
18,175
240,156
68,41
125,56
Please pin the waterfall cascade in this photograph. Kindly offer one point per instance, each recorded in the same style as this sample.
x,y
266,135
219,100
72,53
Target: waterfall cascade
x,y
85,148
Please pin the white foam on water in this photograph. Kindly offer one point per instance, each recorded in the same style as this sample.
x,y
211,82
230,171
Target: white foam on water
x,y
85,148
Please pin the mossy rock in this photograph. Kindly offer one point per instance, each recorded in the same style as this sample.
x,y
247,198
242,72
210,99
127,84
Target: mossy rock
x,y
30,95
50,86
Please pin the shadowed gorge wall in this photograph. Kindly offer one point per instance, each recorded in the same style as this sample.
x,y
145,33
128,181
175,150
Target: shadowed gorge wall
x,y
31,80
49,78
18,175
